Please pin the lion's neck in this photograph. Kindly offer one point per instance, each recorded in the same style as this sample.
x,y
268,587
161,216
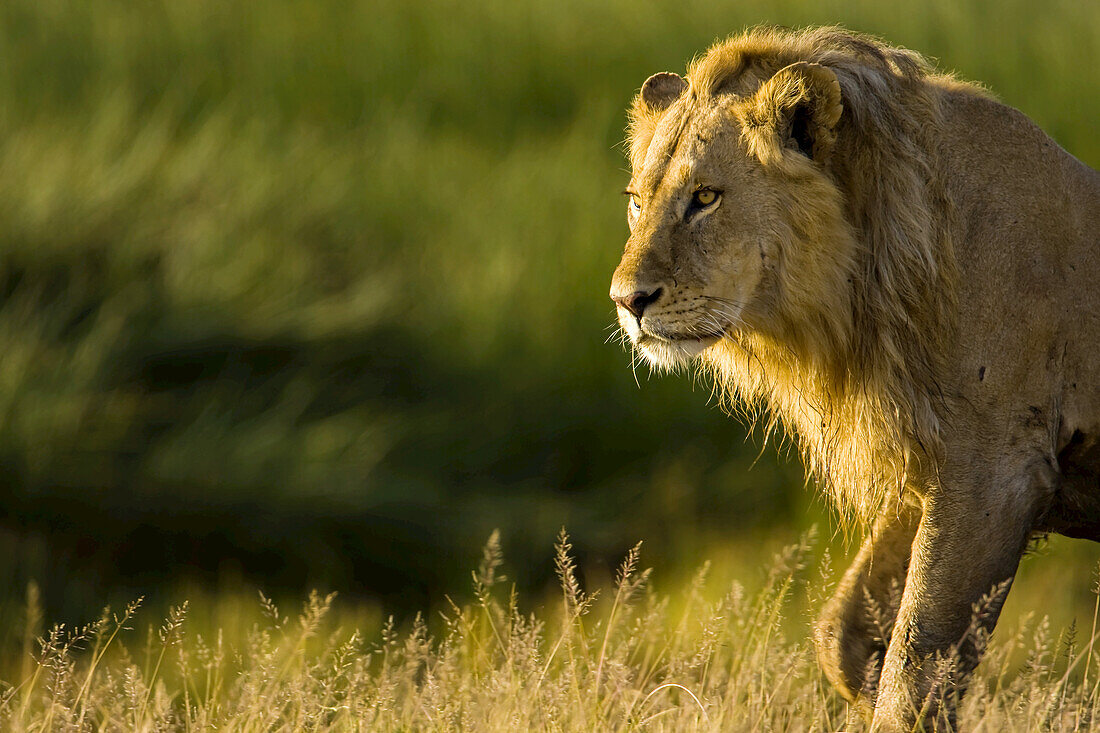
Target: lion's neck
x,y
850,439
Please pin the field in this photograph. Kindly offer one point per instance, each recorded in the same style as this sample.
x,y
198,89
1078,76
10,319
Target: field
x,y
312,294
619,658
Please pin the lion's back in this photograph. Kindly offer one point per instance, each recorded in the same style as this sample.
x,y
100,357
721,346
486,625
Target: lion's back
x,y
1028,257
1029,217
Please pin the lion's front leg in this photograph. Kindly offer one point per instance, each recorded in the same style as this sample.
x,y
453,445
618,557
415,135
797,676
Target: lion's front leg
x,y
966,552
854,627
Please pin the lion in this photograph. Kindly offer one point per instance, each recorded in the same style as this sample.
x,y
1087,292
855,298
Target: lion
x,y
901,272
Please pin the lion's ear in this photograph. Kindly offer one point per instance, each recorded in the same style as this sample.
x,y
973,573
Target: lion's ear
x,y
661,90
797,109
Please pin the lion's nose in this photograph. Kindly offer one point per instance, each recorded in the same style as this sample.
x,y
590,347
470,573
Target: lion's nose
x,y
637,301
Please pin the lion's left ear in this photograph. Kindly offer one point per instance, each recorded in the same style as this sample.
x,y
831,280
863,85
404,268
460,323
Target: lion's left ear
x,y
661,90
797,109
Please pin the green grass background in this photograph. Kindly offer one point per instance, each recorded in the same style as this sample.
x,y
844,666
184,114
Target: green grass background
x,y
313,293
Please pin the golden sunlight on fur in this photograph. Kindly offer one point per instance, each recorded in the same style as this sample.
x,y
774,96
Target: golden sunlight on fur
x,y
899,271
848,369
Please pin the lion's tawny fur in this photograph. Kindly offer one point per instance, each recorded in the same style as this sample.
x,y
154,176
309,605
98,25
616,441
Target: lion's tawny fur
x,y
901,272
854,375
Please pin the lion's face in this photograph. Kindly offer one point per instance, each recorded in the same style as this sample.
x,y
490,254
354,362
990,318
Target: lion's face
x,y
709,212
698,247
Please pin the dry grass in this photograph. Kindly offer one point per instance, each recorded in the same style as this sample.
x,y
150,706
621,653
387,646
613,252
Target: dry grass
x,y
627,658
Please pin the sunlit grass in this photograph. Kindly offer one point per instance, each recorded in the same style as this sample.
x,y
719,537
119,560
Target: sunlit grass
x,y
703,656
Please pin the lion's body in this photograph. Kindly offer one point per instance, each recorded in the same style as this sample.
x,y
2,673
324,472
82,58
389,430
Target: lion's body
x,y
903,273
1027,361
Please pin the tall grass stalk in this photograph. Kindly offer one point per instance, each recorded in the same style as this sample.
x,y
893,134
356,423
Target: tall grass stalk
x,y
691,658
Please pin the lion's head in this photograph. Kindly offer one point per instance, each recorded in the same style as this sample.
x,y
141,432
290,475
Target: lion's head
x,y
735,222
788,233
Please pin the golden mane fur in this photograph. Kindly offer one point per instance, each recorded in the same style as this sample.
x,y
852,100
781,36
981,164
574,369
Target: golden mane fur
x,y
854,377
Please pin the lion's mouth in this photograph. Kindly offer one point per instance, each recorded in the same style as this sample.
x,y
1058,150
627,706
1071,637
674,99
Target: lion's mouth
x,y
666,345
658,334
709,338
686,344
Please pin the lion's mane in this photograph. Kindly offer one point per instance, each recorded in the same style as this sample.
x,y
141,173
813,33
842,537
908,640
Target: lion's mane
x,y
854,376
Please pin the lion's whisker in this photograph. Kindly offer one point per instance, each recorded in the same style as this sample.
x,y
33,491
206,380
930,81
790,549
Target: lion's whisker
x,y
726,301
634,364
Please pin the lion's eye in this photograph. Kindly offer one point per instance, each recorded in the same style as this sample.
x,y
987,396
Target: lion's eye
x,y
635,204
705,197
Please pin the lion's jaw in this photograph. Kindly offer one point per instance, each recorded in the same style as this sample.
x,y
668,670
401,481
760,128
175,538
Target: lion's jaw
x,y
663,352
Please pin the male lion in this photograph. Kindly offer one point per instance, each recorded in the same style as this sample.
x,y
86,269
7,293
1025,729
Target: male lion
x,y
905,273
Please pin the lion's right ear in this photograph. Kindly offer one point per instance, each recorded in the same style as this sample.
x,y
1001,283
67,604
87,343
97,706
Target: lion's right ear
x,y
797,109
661,90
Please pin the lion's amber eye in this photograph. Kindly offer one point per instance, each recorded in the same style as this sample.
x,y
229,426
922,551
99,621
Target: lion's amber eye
x,y
705,197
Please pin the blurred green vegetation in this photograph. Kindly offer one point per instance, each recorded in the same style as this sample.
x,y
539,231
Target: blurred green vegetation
x,y
313,293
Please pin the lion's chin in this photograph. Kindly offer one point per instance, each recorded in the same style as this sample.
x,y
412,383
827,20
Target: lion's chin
x,y
672,353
